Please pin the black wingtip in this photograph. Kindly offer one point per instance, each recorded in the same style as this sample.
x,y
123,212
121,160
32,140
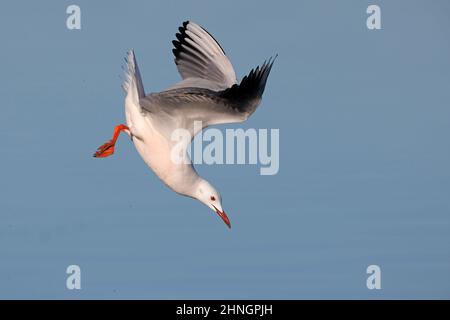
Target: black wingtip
x,y
181,35
180,44
269,63
252,85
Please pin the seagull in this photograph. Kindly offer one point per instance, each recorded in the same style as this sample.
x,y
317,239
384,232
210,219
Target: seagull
x,y
208,92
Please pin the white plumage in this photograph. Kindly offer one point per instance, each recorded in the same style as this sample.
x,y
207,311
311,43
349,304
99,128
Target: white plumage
x,y
208,93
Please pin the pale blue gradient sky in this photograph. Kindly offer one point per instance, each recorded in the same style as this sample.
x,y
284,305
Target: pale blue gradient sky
x,y
364,176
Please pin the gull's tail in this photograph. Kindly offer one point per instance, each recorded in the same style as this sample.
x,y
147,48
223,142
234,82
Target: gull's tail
x,y
132,84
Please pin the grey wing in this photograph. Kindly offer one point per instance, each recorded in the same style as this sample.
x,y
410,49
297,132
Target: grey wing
x,y
180,108
191,109
201,60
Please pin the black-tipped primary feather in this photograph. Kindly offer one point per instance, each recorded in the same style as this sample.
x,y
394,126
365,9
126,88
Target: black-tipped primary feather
x,y
199,55
251,87
234,104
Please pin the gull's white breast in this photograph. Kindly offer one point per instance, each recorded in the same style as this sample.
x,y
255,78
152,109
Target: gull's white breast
x,y
153,147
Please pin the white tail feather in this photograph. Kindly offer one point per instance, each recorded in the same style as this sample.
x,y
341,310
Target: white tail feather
x,y
132,84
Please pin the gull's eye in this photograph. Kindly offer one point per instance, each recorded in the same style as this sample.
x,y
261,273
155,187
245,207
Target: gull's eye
x,y
212,198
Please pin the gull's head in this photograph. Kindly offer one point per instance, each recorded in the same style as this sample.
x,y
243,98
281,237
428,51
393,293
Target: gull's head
x,y
209,196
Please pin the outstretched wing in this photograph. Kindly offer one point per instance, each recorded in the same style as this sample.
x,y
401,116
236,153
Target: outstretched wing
x,y
199,56
182,107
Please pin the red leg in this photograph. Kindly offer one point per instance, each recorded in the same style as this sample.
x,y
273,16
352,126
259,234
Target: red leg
x,y
107,149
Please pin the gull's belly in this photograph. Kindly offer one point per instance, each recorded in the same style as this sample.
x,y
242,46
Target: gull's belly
x,y
155,151
151,145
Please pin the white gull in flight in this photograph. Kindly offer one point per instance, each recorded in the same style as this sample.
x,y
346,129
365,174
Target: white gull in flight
x,y
208,93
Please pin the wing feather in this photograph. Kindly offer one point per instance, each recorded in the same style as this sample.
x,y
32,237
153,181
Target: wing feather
x,y
199,55
181,107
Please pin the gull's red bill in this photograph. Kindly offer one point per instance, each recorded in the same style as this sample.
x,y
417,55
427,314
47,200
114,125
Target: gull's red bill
x,y
224,216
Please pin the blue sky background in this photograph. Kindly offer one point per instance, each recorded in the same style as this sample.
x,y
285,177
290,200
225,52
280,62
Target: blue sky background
x,y
364,176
